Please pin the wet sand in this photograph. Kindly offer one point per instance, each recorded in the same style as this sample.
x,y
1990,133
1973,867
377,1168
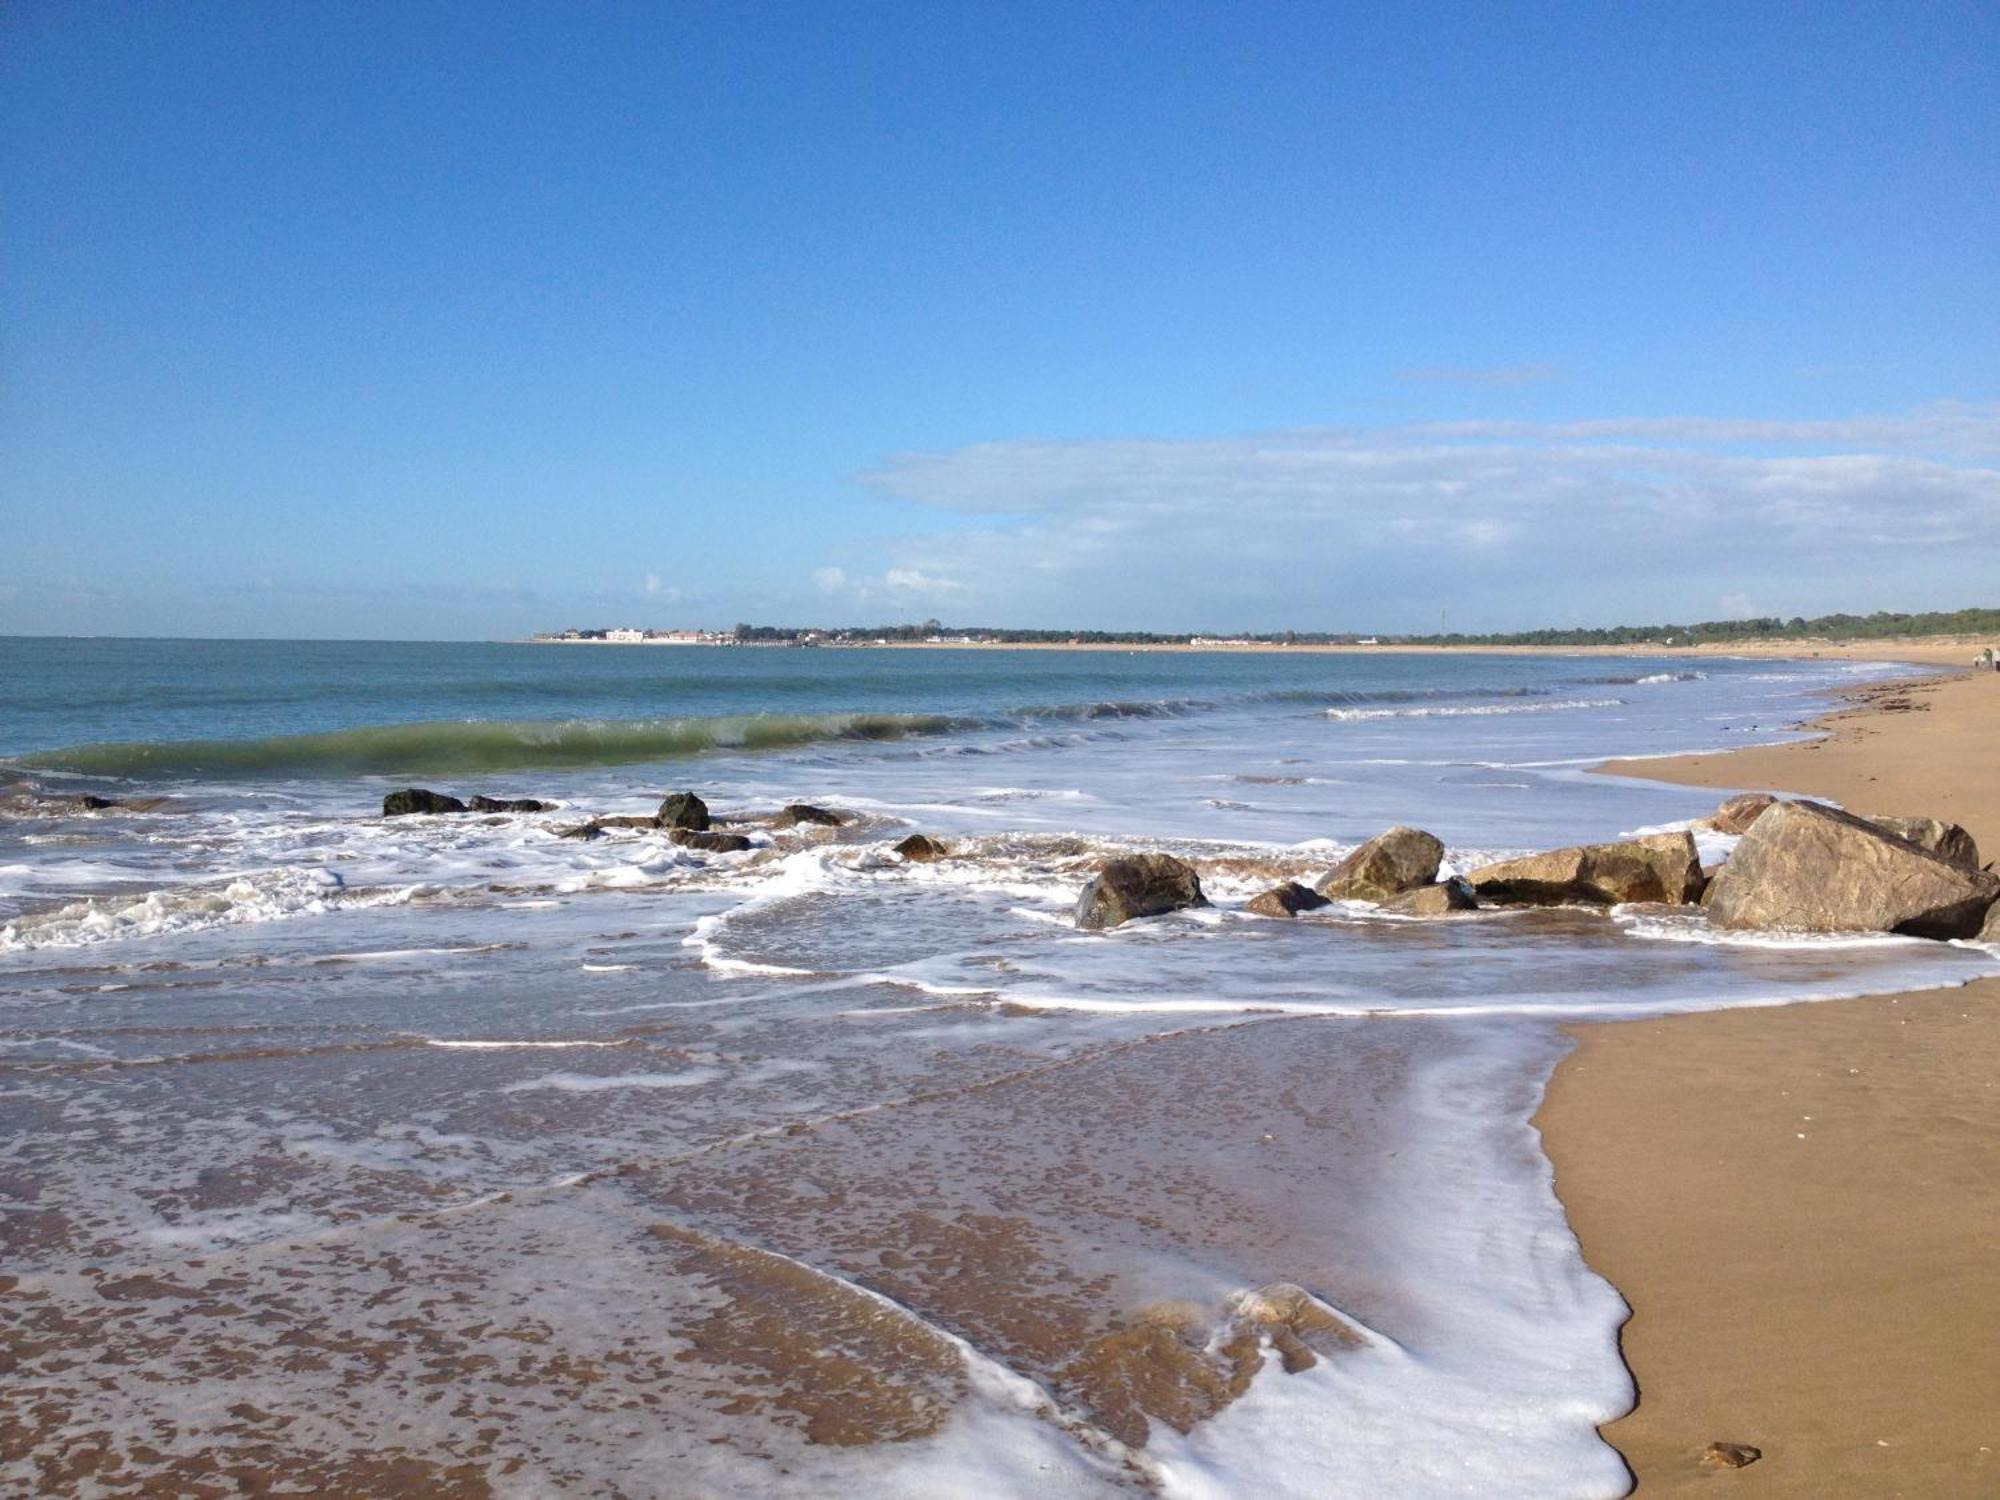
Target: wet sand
x,y
1802,1204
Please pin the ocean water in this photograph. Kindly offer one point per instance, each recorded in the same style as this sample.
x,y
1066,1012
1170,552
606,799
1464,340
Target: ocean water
x,y
452,1152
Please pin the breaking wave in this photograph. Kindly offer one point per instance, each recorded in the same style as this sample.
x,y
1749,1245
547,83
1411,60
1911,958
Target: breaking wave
x,y
1470,710
439,749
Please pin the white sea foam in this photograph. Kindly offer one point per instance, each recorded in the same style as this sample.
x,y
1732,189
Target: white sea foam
x,y
1472,710
594,1083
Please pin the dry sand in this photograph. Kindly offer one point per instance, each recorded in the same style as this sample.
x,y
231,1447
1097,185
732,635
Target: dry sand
x,y
1802,1204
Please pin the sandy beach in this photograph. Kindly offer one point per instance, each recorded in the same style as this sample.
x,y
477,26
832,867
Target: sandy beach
x,y
1802,1204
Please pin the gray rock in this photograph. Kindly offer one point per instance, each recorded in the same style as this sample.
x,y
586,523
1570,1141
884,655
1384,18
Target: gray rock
x,y
1947,841
1809,868
415,799
1387,865
1659,867
713,843
510,805
684,810
1438,900
1286,900
805,812
1143,885
921,849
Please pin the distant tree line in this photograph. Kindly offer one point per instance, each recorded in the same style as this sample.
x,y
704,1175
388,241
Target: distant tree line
x,y
1764,627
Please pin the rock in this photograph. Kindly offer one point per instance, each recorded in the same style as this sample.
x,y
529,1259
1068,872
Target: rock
x,y
1433,900
1990,933
805,812
415,799
1387,865
629,820
510,805
684,810
1810,868
1730,1455
713,843
1659,867
1708,874
1143,885
921,849
1738,813
591,830
1947,841
1286,900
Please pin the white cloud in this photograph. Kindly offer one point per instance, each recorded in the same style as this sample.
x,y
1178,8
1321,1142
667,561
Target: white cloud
x,y
655,589
1369,526
829,580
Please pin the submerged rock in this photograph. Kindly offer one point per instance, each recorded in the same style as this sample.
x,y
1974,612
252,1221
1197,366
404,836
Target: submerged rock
x,y
1660,867
1739,812
921,849
684,810
416,799
1286,900
510,805
629,820
1143,885
805,812
1437,900
1387,865
590,830
1810,868
1947,841
713,843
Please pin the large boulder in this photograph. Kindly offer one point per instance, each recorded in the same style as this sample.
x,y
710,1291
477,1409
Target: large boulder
x,y
1439,900
684,810
1810,868
1387,865
1659,867
1142,885
1739,812
1990,933
1286,900
805,812
415,799
1947,841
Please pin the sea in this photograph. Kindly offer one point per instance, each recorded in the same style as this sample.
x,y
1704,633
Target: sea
x,y
451,1155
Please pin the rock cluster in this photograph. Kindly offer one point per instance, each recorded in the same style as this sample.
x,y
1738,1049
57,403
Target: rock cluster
x,y
417,799
1660,867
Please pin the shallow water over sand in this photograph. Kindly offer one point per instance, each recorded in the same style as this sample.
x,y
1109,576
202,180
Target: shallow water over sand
x,y
449,1152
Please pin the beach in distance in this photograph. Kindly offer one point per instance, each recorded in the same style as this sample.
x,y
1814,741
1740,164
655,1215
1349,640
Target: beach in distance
x,y
476,1070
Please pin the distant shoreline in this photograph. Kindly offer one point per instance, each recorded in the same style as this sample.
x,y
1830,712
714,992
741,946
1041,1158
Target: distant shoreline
x,y
1928,650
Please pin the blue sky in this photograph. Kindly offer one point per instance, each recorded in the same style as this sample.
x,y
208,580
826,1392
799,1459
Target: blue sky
x,y
440,320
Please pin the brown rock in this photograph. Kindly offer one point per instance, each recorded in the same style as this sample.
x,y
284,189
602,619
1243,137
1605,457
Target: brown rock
x,y
921,849
590,830
713,843
684,810
1990,933
1947,841
1730,1455
1438,900
416,799
1815,869
1387,865
805,812
1286,900
1143,885
1659,867
1738,813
